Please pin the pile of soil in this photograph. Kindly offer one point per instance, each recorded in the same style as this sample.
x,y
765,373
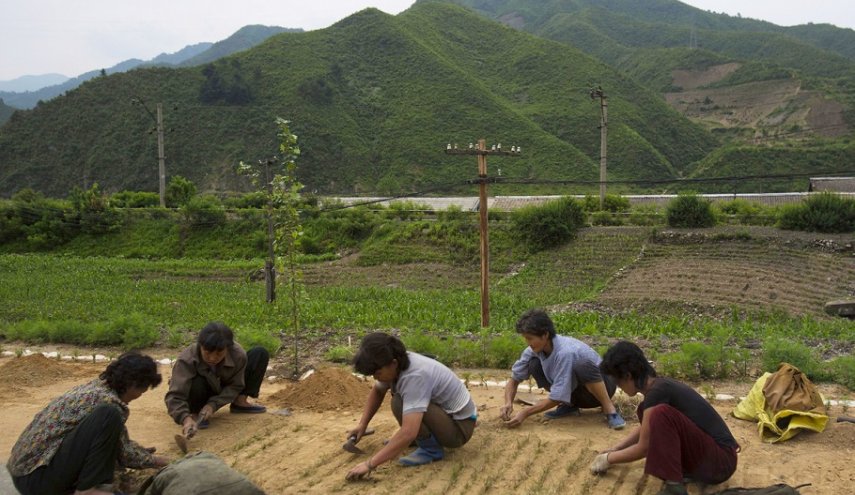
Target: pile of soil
x,y
326,389
36,370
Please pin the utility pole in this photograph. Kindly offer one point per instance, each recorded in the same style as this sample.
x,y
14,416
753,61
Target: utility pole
x,y
481,152
604,107
161,158
269,270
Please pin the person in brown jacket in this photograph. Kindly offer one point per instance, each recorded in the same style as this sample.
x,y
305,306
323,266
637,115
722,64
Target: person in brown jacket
x,y
211,373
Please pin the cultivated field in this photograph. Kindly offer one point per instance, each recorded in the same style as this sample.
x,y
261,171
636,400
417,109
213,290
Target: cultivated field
x,y
301,452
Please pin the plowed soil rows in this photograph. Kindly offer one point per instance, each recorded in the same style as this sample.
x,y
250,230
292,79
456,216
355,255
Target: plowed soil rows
x,y
749,275
301,452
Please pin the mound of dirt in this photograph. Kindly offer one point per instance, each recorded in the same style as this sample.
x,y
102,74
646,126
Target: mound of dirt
x,y
324,390
36,370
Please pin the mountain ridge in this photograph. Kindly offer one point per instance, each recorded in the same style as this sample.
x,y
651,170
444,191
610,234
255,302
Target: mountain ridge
x,y
195,54
376,98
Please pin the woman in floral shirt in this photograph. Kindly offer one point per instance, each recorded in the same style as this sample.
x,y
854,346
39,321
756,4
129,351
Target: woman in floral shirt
x,y
75,442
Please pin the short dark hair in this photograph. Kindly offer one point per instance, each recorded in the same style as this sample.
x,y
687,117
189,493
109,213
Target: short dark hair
x,y
536,322
216,336
377,350
627,359
131,369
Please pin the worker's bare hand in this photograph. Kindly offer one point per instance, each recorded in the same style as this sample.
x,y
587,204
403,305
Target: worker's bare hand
x,y
515,421
505,412
160,461
206,412
358,472
189,427
356,433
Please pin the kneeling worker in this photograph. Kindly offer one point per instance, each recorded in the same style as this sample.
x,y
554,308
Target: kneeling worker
x,y
429,401
568,368
211,373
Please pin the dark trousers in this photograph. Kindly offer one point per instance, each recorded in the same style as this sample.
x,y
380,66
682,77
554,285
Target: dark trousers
x,y
584,372
678,448
85,459
256,365
449,432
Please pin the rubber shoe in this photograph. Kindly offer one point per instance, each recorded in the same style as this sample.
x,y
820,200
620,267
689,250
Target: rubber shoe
x,y
616,421
563,410
672,488
250,409
429,451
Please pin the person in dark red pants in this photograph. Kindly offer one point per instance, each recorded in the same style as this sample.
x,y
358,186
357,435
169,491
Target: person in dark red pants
x,y
681,436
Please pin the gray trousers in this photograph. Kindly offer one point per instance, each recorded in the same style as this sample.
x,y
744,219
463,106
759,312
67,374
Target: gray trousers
x,y
449,432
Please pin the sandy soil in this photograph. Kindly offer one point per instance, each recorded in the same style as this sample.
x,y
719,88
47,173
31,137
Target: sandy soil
x,y
299,451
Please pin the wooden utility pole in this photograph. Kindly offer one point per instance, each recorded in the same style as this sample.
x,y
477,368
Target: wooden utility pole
x,y
161,159
269,270
481,152
604,107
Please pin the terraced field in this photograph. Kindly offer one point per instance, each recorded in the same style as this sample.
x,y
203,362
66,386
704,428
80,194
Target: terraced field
x,y
751,274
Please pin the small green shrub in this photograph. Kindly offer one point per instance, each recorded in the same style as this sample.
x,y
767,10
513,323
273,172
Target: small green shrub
x,y
503,351
405,210
136,331
451,215
825,212
179,192
843,371
135,199
611,202
249,338
699,360
69,332
777,351
204,211
747,212
29,331
93,213
646,215
176,338
605,218
102,334
339,354
338,229
548,225
689,211
255,200
423,343
677,365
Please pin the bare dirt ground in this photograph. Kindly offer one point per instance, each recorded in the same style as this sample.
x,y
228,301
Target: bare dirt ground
x,y
773,106
300,451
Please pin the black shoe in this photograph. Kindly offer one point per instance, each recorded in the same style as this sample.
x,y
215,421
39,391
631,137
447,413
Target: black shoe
x,y
673,488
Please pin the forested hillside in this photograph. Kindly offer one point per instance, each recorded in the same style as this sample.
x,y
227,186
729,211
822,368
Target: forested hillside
x,y
374,99
197,54
661,42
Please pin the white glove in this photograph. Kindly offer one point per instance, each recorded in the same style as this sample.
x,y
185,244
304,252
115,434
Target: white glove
x,y
600,464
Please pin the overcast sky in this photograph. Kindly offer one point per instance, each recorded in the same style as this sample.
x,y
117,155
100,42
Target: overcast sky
x,y
72,37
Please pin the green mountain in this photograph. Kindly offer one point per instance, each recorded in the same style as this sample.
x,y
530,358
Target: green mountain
x,y
243,39
693,56
196,54
5,111
374,99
